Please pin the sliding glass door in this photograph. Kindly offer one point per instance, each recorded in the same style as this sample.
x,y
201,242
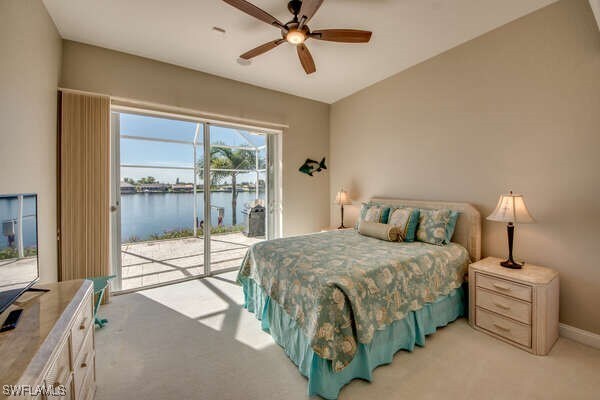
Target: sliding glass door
x,y
189,196
237,198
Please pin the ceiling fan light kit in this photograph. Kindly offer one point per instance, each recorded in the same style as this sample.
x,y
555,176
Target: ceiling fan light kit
x,y
296,31
294,36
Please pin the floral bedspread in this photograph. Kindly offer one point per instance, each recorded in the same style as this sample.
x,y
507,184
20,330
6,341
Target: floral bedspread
x,y
340,287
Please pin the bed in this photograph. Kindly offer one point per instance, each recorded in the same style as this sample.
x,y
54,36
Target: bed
x,y
340,304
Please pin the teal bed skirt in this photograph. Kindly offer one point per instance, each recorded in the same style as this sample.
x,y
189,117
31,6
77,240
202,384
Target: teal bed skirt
x,y
401,335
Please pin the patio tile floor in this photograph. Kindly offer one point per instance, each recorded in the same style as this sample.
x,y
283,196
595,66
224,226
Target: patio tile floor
x,y
157,262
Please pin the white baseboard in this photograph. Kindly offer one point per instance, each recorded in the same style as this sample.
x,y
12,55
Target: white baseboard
x,y
579,335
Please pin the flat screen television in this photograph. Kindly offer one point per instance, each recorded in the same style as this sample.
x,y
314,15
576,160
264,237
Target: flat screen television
x,y
18,246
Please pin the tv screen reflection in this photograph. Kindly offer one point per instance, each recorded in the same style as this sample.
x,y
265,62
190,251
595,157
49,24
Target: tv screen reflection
x,y
18,241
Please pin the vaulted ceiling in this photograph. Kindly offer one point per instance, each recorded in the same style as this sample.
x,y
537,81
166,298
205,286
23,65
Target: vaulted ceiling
x,y
405,32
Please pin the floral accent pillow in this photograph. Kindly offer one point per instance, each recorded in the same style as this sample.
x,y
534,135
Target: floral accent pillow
x,y
406,220
432,226
373,212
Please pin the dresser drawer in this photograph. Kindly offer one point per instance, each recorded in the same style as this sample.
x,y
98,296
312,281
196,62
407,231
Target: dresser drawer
x,y
82,322
89,387
58,390
69,390
68,393
84,364
504,305
508,288
60,371
502,326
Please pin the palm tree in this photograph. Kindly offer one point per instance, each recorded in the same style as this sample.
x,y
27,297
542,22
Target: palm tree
x,y
231,160
147,180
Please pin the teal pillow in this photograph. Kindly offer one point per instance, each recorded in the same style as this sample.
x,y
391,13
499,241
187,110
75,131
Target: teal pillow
x,y
385,214
451,226
412,226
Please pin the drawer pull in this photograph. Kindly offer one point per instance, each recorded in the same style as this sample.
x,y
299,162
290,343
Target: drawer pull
x,y
84,364
59,376
502,327
502,306
501,287
83,324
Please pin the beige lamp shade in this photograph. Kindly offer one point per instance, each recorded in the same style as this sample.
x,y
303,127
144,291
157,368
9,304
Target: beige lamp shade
x,y
342,198
511,208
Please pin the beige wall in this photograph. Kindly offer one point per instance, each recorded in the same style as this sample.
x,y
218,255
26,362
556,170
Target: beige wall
x,y
305,199
517,108
514,109
30,54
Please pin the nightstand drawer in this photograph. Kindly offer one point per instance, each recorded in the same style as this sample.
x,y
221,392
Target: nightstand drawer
x,y
503,286
504,305
502,326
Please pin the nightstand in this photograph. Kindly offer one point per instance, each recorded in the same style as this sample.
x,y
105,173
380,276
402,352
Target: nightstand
x,y
518,306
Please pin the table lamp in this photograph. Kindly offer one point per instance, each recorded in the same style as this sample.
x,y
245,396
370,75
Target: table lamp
x,y
342,199
511,209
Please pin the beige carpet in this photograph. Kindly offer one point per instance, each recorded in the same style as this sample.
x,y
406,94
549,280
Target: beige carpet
x,y
194,341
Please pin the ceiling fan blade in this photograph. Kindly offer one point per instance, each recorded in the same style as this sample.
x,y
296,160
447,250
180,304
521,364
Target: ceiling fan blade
x,y
306,59
254,11
309,8
263,48
342,35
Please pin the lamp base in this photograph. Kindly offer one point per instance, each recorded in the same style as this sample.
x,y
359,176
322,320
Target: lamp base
x,y
342,219
511,264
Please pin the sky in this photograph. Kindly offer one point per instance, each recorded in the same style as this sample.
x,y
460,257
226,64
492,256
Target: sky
x,y
173,154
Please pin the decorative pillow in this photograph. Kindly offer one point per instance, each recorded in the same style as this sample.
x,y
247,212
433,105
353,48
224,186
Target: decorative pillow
x,y
373,212
385,213
406,220
451,226
361,215
432,226
379,231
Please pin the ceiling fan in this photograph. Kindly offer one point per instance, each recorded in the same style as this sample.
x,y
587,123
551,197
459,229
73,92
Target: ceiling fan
x,y
297,31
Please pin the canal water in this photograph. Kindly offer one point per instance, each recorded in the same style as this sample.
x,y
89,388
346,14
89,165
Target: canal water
x,y
144,214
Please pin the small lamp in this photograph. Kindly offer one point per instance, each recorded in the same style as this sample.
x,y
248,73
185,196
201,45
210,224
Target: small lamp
x,y
511,209
342,199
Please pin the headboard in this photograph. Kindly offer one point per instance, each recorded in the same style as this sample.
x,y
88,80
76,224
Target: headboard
x,y
468,225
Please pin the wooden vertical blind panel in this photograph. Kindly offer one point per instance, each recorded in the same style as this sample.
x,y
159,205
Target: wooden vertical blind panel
x,y
84,186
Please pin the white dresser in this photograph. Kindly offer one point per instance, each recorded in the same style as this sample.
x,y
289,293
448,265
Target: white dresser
x,y
53,344
518,306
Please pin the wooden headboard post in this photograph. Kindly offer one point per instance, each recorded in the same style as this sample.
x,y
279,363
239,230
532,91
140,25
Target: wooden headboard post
x,y
468,226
